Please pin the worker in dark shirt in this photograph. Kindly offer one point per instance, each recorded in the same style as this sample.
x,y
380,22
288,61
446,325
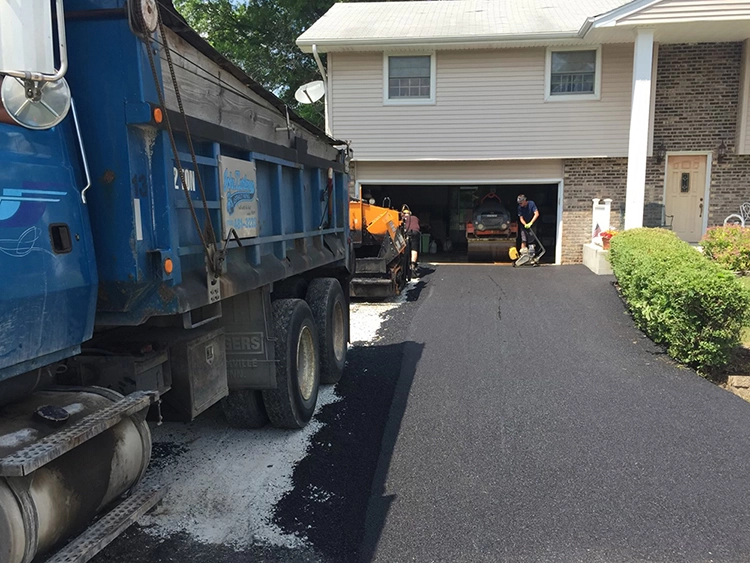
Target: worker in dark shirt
x,y
411,227
527,215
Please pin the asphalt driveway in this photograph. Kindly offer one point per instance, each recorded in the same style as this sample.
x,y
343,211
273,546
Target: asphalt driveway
x,y
533,422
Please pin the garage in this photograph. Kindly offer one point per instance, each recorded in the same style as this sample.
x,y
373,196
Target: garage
x,y
444,210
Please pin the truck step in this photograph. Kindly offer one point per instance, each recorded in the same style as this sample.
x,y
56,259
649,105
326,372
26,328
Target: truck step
x,y
105,530
32,457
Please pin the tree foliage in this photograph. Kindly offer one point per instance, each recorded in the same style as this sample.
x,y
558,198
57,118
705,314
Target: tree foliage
x,y
259,36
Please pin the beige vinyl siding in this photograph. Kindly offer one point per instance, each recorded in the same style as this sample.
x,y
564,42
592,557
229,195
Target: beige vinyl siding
x,y
487,171
675,11
489,105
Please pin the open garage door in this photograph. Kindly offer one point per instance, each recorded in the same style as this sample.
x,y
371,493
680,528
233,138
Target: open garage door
x,y
444,211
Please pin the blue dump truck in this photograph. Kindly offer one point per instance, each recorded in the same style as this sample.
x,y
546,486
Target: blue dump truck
x,y
172,237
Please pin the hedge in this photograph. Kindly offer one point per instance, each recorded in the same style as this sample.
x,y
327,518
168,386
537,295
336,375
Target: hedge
x,y
729,246
680,298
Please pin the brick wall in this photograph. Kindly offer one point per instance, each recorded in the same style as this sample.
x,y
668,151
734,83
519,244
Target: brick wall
x,y
584,180
696,104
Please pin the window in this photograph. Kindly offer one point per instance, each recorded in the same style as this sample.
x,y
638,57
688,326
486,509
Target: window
x,y
409,79
573,74
685,183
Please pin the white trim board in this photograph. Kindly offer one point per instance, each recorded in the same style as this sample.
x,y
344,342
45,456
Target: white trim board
x,y
464,182
489,158
612,17
744,108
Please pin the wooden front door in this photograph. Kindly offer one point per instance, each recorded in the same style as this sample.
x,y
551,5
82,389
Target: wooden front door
x,y
686,187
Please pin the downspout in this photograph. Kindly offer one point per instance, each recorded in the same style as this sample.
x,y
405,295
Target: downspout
x,y
325,80
320,63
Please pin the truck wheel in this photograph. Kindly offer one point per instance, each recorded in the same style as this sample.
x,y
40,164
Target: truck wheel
x,y
292,403
329,309
244,408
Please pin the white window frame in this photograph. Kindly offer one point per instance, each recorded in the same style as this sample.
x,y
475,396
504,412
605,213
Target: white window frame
x,y
409,101
597,95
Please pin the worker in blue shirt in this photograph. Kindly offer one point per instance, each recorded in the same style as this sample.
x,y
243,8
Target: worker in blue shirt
x,y
527,215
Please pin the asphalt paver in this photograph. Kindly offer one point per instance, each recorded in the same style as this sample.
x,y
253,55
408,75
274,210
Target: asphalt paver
x,y
532,422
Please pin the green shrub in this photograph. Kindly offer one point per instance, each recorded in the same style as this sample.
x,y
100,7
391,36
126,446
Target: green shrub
x,y
680,298
729,246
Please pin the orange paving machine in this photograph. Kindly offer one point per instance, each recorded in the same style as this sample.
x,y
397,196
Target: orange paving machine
x,y
381,249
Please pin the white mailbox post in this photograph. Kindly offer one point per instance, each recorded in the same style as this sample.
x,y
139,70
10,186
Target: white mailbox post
x,y
594,256
600,218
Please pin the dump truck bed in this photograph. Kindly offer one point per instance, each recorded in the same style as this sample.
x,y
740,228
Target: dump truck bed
x,y
268,176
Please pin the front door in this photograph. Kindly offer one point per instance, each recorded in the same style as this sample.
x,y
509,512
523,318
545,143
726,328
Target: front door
x,y
686,187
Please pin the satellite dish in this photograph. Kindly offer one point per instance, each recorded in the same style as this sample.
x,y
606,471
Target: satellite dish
x,y
41,106
311,92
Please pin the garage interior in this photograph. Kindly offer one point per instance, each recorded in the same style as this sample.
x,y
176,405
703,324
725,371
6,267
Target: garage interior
x,y
443,211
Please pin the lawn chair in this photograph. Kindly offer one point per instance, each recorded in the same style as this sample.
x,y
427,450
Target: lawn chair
x,y
739,218
654,215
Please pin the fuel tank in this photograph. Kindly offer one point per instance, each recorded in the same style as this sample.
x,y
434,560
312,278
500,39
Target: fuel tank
x,y
60,498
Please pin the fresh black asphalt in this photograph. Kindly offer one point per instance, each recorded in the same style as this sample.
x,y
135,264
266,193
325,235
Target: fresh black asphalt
x,y
341,462
509,415
533,422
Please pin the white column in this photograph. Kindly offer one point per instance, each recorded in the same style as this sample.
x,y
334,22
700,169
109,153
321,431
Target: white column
x,y
639,123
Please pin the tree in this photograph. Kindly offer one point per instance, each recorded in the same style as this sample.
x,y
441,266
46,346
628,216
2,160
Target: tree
x,y
259,37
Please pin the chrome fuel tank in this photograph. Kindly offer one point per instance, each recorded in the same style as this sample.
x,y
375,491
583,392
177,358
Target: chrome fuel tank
x,y
60,498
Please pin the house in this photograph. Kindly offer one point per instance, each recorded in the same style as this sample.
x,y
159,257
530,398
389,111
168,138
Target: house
x,y
645,102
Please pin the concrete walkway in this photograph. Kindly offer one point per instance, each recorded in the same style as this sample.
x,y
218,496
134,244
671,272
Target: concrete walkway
x,y
533,423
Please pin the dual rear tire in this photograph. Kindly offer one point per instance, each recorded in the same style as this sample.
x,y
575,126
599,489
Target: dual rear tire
x,y
310,349
331,314
292,403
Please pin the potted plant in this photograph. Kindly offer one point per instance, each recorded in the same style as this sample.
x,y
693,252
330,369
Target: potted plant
x,y
606,237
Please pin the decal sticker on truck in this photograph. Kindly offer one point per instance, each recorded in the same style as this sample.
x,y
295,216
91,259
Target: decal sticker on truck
x,y
21,208
239,208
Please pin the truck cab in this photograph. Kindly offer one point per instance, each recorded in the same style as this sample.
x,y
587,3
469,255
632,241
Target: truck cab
x,y
49,285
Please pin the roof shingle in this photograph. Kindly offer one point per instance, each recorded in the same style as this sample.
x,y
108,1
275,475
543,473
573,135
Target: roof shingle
x,y
372,21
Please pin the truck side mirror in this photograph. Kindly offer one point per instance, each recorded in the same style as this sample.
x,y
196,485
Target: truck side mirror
x,y
33,92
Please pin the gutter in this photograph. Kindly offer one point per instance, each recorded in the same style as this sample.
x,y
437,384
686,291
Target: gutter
x,y
320,63
611,18
586,27
309,45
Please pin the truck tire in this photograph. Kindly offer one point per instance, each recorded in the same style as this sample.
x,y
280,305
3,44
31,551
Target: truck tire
x,y
292,403
329,309
244,408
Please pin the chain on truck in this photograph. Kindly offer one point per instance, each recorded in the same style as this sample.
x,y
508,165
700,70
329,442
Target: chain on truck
x,y
172,237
